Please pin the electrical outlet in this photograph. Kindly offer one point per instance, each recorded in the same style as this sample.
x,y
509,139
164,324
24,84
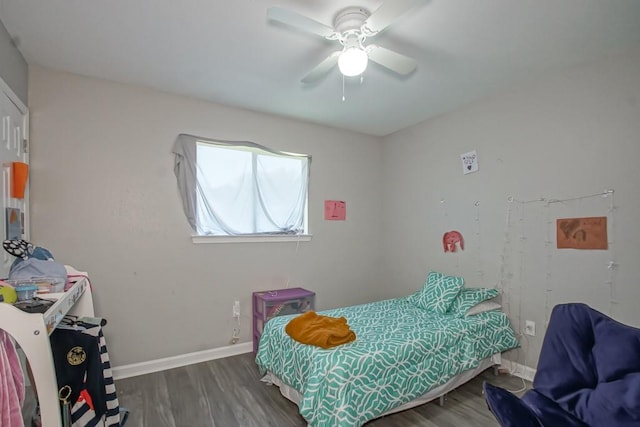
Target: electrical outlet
x,y
236,309
530,327
235,337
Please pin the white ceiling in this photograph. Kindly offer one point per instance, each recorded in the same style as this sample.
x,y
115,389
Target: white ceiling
x,y
227,52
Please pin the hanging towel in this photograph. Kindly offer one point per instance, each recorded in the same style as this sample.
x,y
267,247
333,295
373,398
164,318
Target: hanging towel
x,y
11,383
76,357
82,412
321,331
91,377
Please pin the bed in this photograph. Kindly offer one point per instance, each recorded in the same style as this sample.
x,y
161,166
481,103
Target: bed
x,y
403,355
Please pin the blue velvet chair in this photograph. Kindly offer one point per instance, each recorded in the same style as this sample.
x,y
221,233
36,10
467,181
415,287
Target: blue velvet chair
x,y
588,375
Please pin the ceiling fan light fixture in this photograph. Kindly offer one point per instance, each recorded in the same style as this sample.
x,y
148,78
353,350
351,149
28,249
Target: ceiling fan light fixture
x,y
353,61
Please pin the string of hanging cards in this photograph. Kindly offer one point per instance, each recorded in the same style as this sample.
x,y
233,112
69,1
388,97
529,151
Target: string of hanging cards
x,y
507,251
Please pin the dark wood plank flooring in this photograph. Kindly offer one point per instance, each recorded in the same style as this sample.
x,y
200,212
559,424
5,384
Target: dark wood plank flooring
x,y
228,393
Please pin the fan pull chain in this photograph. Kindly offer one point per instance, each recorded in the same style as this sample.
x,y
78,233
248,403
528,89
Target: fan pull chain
x,y
343,97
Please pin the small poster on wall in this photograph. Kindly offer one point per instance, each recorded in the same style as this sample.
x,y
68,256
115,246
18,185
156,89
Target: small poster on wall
x,y
582,233
335,210
469,162
14,223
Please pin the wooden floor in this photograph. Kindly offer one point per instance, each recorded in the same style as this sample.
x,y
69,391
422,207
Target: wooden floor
x,y
228,393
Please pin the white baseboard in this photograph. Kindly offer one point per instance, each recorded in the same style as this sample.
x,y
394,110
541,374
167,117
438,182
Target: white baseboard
x,y
518,370
141,368
151,366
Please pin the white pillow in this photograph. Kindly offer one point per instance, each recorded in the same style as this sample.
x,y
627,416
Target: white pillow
x,y
482,307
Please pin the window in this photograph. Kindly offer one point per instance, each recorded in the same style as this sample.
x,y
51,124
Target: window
x,y
241,188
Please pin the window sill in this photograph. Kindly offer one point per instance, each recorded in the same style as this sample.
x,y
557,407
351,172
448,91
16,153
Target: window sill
x,y
273,238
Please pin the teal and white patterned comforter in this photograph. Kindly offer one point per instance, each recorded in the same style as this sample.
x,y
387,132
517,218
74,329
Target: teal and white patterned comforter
x,y
401,352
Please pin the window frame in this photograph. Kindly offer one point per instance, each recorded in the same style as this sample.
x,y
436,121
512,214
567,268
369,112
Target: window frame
x,y
185,150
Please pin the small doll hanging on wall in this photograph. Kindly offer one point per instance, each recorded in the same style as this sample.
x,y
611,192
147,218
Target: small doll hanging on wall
x,y
449,240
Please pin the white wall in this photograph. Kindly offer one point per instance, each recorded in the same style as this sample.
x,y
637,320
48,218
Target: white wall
x,y
571,134
13,67
104,199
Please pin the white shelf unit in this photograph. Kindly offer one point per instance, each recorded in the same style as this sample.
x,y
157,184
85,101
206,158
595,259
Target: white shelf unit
x,y
31,331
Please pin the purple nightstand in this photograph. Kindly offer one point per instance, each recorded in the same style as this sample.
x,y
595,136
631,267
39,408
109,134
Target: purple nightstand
x,y
278,302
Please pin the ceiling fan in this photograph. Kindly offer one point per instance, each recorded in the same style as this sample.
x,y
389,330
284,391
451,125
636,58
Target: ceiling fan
x,y
351,27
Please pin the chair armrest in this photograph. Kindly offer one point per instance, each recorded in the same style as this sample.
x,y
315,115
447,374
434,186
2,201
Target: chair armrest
x,y
508,409
549,412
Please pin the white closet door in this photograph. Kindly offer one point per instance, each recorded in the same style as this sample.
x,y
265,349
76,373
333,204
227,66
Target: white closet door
x,y
12,149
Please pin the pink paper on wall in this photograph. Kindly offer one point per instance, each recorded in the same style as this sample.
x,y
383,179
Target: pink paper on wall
x,y
335,210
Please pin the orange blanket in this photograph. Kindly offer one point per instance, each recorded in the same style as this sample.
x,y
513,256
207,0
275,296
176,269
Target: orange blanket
x,y
322,331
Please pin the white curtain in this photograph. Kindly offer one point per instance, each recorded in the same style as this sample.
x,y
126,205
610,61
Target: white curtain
x,y
248,189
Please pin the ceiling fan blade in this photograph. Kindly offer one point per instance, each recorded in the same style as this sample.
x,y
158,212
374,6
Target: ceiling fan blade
x,y
298,21
322,68
392,60
387,13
